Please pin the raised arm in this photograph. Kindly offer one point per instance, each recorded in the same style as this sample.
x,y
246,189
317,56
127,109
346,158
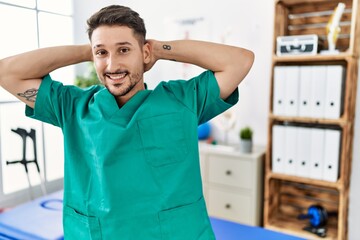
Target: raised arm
x,y
21,74
230,64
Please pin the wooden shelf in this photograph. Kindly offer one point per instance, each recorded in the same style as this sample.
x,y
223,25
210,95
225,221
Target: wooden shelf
x,y
292,198
312,58
293,226
315,182
287,196
340,122
297,2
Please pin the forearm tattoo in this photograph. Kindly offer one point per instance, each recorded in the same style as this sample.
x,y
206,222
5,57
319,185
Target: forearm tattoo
x,y
166,47
29,94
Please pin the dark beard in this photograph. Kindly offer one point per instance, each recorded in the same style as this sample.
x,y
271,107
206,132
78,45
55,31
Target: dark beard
x,y
134,80
125,91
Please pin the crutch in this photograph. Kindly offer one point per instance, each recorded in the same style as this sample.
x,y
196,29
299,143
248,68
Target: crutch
x,y
32,134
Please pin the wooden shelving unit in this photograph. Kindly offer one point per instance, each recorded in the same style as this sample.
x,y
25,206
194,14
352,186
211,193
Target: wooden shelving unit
x,y
287,196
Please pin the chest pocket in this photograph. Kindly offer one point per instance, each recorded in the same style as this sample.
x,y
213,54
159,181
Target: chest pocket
x,y
163,138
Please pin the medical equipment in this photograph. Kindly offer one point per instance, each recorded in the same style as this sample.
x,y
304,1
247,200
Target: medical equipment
x,y
318,218
333,28
298,45
24,135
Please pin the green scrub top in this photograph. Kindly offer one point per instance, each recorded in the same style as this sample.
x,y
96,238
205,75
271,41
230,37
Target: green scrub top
x,y
133,172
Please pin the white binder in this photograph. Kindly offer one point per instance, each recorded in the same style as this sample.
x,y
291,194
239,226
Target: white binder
x,y
317,153
305,91
318,91
334,90
279,90
278,148
331,155
290,150
303,152
292,91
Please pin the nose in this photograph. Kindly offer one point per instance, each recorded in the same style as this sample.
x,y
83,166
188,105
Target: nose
x,y
111,63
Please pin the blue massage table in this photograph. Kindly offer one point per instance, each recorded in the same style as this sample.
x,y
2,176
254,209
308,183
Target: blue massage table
x,y
41,219
226,230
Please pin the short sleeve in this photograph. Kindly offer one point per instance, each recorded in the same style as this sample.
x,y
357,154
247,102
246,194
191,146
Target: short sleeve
x,y
202,95
47,107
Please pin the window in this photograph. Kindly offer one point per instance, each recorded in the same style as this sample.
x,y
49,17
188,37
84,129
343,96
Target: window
x,y
24,3
26,25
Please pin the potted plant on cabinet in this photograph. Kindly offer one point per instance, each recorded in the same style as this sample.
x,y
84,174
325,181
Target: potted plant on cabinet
x,y
246,134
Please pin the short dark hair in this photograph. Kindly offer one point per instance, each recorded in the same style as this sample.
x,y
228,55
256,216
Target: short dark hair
x,y
118,15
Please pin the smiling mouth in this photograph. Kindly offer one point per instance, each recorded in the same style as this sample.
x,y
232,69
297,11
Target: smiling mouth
x,y
116,76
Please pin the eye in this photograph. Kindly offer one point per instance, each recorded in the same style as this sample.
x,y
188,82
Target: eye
x,y
100,53
124,50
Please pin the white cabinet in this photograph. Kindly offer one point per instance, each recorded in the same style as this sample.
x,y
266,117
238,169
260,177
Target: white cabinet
x,y
233,183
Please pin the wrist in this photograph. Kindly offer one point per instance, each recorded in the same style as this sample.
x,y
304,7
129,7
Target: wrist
x,y
86,52
157,48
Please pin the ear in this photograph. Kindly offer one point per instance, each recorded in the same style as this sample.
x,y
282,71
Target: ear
x,y
147,53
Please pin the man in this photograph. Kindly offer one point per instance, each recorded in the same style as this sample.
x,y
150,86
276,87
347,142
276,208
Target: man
x,y
131,154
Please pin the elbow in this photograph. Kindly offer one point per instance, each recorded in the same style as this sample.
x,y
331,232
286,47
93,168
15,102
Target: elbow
x,y
5,71
246,60
249,57
252,57
2,72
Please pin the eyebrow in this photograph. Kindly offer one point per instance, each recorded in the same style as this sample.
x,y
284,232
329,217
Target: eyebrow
x,y
118,43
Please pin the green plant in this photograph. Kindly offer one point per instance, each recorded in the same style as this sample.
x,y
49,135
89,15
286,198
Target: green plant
x,y
88,79
246,133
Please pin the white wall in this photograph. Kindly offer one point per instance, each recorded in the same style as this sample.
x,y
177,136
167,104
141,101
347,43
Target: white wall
x,y
243,23
240,22
82,11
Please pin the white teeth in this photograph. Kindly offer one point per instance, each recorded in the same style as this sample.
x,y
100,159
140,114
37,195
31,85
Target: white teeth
x,y
117,76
